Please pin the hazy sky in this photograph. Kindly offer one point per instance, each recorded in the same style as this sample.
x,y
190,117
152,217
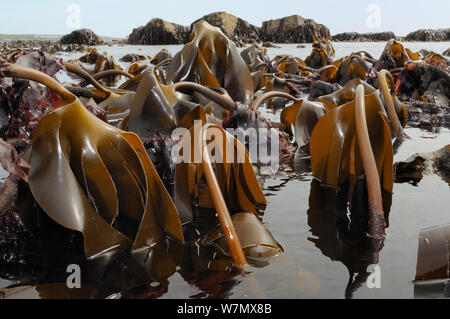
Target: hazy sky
x,y
118,17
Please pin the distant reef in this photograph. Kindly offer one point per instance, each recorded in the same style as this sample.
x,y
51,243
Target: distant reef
x,y
429,35
364,37
292,29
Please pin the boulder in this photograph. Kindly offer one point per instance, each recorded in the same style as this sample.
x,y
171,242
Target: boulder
x,y
293,29
235,28
82,36
158,31
428,35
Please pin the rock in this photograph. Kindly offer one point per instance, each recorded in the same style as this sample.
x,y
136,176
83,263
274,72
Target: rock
x,y
347,36
419,165
369,37
82,36
240,31
380,36
293,29
132,58
268,44
158,31
428,35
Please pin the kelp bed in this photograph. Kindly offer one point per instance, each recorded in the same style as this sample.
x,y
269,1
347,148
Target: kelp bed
x,y
319,246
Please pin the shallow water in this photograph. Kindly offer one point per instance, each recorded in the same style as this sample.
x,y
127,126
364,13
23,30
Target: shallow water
x,y
308,270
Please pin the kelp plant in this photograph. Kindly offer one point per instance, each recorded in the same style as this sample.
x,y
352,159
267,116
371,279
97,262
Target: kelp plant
x,y
103,172
354,140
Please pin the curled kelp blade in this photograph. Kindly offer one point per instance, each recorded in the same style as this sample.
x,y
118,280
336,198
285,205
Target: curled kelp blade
x,y
318,58
113,101
393,109
352,67
433,260
393,56
234,172
106,62
291,65
255,57
160,215
151,111
277,84
306,119
211,59
49,158
345,95
334,150
288,117
105,173
257,241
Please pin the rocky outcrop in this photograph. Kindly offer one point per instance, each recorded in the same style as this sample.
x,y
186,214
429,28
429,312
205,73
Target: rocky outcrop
x,y
158,31
293,29
82,36
419,165
234,28
428,35
365,37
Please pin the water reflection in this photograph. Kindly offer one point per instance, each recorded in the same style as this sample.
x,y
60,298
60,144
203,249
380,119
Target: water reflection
x,y
339,230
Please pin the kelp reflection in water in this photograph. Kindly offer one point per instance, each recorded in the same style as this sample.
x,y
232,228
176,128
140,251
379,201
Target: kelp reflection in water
x,y
340,232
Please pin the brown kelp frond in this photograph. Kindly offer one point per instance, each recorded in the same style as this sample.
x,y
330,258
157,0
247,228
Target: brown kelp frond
x,y
394,56
355,140
345,95
335,153
151,109
97,167
432,258
70,67
211,59
113,72
221,99
272,94
255,57
306,120
352,67
231,184
389,101
106,62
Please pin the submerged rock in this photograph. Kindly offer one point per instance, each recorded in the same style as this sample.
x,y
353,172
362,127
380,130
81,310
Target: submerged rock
x,y
82,36
158,31
293,29
419,165
428,35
